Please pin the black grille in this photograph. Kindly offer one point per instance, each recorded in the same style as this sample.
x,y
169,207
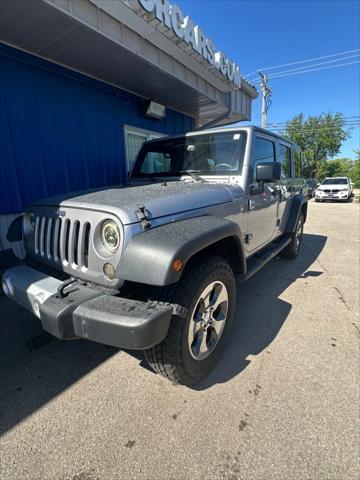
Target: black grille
x,y
333,190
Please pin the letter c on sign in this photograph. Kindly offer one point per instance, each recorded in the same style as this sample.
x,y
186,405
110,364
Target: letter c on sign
x,y
177,19
148,5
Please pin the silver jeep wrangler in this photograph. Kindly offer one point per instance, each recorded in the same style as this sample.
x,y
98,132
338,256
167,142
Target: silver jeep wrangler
x,y
151,265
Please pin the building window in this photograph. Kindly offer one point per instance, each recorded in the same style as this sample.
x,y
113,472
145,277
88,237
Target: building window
x,y
298,164
134,138
285,160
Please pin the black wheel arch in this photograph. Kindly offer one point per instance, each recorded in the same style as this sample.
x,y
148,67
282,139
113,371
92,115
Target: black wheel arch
x,y
149,256
299,205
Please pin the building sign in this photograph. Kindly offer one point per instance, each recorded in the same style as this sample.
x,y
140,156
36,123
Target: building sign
x,y
184,28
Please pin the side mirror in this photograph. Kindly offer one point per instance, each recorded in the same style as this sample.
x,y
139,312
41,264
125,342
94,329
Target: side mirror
x,y
268,171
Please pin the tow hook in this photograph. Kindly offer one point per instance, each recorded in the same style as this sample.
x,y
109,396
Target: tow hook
x,y
61,289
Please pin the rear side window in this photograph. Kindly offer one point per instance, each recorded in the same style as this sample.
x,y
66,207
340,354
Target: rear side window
x,y
298,164
285,160
264,152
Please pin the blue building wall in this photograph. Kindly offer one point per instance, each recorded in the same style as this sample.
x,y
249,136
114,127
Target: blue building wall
x,y
61,131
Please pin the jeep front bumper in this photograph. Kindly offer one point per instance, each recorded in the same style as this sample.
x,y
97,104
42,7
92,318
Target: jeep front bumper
x,y
86,312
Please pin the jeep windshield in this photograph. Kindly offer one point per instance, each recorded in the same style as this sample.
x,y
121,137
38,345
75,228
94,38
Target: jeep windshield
x,y
204,154
334,181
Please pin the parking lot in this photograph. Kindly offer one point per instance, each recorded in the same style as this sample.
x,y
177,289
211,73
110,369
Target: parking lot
x,y
282,403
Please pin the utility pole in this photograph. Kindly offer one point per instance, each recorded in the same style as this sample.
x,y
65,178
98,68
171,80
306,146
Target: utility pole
x,y
266,98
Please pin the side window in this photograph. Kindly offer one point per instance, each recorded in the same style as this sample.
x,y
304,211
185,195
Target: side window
x,y
264,152
285,159
298,164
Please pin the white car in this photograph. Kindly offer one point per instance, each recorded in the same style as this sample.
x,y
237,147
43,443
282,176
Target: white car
x,y
335,188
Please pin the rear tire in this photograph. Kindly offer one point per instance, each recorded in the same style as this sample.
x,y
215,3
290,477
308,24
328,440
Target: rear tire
x,y
291,251
196,340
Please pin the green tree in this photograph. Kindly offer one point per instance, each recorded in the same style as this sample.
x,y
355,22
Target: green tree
x,y
339,167
355,172
342,167
320,138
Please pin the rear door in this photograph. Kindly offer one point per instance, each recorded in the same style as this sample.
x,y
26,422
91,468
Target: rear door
x,y
285,184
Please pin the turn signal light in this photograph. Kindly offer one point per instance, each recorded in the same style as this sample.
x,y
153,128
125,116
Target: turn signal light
x,y
177,265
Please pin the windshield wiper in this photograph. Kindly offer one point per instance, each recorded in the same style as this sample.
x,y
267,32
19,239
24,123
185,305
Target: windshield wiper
x,y
192,173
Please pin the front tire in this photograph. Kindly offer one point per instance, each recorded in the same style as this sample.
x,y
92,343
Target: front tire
x,y
291,251
195,341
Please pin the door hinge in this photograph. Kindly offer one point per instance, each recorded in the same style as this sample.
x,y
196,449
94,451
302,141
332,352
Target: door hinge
x,y
248,237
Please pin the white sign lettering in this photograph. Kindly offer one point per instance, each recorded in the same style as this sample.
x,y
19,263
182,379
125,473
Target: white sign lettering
x,y
184,28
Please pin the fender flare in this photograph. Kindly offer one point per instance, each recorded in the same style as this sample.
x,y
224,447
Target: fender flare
x,y
299,203
14,233
149,256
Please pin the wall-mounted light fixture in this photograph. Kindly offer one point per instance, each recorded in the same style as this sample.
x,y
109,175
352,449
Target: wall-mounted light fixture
x,y
156,110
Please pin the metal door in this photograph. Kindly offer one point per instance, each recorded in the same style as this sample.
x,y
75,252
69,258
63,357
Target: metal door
x,y
263,206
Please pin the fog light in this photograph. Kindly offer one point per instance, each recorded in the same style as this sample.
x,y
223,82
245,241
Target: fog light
x,y
109,271
8,288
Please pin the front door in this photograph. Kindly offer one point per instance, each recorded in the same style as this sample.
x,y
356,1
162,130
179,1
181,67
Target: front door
x,y
262,207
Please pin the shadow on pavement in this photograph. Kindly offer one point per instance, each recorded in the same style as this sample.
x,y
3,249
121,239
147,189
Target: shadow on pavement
x,y
260,312
35,367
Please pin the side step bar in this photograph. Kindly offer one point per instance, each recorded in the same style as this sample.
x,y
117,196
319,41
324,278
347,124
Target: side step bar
x,y
256,263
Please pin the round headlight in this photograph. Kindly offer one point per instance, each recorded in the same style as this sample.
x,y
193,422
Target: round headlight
x,y
110,235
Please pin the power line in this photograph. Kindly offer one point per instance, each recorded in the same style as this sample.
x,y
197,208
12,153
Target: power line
x,y
349,119
352,122
286,125
307,130
312,70
345,117
302,61
316,69
272,75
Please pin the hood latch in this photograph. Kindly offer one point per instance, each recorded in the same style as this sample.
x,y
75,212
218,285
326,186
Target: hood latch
x,y
144,216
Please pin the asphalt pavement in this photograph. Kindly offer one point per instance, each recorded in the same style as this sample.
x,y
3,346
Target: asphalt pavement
x,y
283,403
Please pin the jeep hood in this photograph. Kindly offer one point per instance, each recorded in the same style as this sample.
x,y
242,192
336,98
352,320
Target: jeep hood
x,y
160,199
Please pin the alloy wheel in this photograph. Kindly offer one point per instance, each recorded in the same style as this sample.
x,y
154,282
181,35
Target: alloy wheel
x,y
208,320
299,233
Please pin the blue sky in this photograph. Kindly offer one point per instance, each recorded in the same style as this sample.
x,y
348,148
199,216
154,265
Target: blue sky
x,y
266,33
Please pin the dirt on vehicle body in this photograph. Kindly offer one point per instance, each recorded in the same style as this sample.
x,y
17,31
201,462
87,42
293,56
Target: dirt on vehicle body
x,y
151,265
